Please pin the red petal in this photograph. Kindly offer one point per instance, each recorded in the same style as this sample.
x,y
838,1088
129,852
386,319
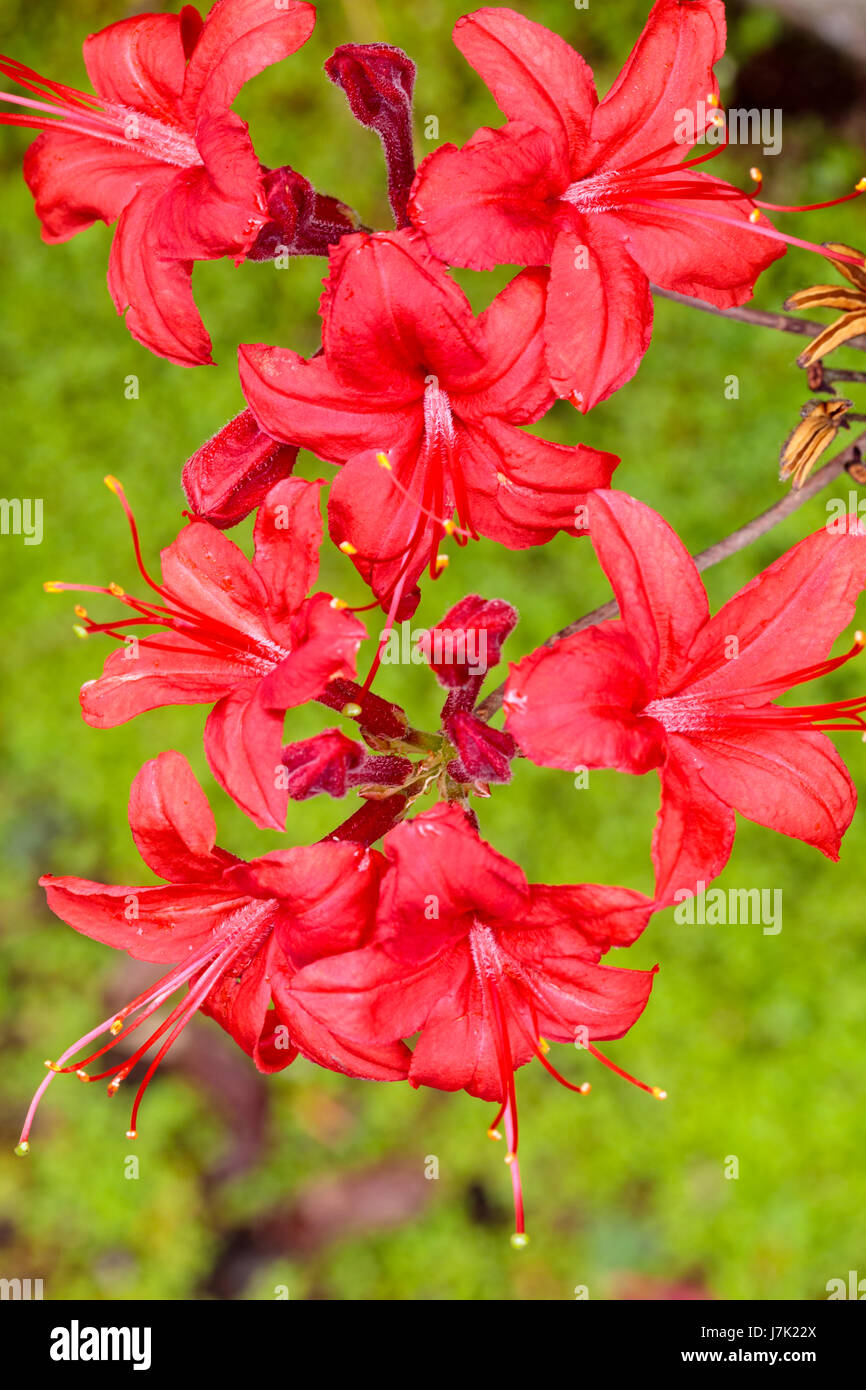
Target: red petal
x,y
172,823
329,891
163,670
669,69
493,202
239,1002
659,591
215,210
514,381
694,832
442,875
384,523
243,742
288,536
240,39
156,924
577,704
599,313
213,577
682,249
158,293
821,577
534,75
324,644
792,781
392,316
303,403
524,489
577,919
140,63
76,180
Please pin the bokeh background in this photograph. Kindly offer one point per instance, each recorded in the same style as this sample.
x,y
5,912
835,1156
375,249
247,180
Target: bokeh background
x,y
307,1181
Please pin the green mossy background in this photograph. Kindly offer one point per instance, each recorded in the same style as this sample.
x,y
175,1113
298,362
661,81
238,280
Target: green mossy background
x,y
308,1182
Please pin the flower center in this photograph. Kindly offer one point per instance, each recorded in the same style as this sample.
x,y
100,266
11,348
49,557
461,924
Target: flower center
x,y
728,711
71,110
256,651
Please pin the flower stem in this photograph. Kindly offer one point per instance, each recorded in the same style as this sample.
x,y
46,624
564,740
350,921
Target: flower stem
x,y
782,323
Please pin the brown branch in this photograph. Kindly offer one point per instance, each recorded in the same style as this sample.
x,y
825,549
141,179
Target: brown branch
x,y
842,374
782,323
714,554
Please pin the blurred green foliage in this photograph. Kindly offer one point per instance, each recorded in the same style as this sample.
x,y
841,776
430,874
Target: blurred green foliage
x,y
756,1038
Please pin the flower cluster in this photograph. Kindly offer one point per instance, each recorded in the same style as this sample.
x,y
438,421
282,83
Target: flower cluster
x,y
340,951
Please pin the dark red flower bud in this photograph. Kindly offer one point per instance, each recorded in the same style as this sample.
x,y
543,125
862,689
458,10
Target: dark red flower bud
x,y
467,642
484,754
330,762
378,81
231,475
321,764
303,222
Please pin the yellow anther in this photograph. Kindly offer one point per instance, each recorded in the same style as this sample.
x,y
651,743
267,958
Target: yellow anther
x,y
116,1027
132,1134
111,483
51,1066
82,1074
860,185
859,638
384,462
493,1133
510,1156
53,586
544,1045
718,120
755,175
22,1149
116,590
712,99
442,563
113,1087
754,215
450,528
351,710
348,548
79,611
80,631
519,1240
585,1088
338,603
659,1093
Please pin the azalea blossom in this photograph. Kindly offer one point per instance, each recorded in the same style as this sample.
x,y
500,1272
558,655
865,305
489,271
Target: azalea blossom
x,y
239,634
158,150
694,696
421,401
484,966
235,931
597,191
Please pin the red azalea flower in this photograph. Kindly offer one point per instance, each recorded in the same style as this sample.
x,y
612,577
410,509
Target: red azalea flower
x,y
159,151
409,373
671,688
240,633
597,191
238,932
483,965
